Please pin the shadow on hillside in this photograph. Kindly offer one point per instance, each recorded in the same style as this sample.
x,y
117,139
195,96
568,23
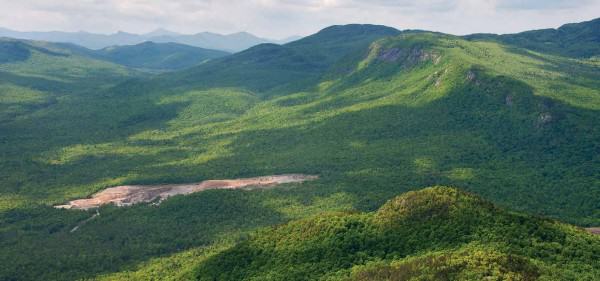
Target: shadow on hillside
x,y
13,51
35,139
521,150
491,136
120,238
36,83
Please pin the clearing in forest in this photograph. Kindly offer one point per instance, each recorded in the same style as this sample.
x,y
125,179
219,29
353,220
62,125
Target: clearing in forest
x,y
126,195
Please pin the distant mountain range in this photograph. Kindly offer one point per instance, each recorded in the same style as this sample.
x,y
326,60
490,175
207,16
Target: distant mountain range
x,y
231,42
146,56
158,56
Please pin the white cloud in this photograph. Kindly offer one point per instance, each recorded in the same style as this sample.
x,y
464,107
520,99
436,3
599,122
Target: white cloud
x,y
541,5
281,18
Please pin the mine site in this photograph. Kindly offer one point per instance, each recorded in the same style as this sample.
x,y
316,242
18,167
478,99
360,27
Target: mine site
x,y
126,195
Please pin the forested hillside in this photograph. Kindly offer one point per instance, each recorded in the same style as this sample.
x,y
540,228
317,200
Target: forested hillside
x,y
436,233
158,56
35,76
580,40
373,111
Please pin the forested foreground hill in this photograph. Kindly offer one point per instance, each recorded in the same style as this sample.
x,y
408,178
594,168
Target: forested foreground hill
x,y
436,233
374,111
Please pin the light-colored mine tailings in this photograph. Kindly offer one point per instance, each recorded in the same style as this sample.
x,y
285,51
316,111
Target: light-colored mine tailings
x,y
594,230
132,194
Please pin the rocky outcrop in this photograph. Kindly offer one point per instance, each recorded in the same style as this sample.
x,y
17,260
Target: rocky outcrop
x,y
409,56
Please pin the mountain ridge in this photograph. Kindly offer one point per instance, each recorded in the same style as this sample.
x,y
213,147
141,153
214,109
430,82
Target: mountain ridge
x,y
573,39
146,56
233,42
159,56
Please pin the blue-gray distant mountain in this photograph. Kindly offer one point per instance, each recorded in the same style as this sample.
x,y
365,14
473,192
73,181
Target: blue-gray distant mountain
x,y
231,42
158,56
148,56
85,39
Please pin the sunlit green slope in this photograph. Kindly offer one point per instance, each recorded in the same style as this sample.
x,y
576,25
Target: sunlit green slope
x,y
34,75
436,233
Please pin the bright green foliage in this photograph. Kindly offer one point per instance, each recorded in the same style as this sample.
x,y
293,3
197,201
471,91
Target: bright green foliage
x,y
384,113
467,263
441,230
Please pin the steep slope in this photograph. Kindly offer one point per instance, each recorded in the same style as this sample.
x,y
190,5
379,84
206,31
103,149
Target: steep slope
x,y
477,108
574,39
36,75
155,56
278,69
436,233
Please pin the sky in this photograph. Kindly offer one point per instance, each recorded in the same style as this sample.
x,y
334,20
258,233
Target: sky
x,y
283,18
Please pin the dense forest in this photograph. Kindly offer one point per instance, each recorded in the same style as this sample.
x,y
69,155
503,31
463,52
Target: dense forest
x,y
447,235
374,111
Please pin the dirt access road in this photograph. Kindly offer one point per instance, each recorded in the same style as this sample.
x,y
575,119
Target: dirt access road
x,y
126,195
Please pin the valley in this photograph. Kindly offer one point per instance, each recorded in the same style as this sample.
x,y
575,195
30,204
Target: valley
x,y
466,157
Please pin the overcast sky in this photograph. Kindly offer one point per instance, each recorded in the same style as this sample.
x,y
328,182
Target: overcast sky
x,y
282,18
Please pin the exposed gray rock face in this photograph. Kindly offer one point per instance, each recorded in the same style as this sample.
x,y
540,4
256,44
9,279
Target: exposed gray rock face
x,y
410,56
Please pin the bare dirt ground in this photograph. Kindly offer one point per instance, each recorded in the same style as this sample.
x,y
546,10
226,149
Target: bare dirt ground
x,y
126,195
594,230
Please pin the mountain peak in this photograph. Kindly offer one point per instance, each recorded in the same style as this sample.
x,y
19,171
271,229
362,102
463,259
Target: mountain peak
x,y
359,28
437,201
161,32
123,33
349,32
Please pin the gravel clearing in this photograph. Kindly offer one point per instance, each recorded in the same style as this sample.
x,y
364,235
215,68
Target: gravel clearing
x,y
127,195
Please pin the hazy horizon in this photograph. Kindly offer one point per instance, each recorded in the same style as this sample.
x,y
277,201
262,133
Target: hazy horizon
x,y
278,19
